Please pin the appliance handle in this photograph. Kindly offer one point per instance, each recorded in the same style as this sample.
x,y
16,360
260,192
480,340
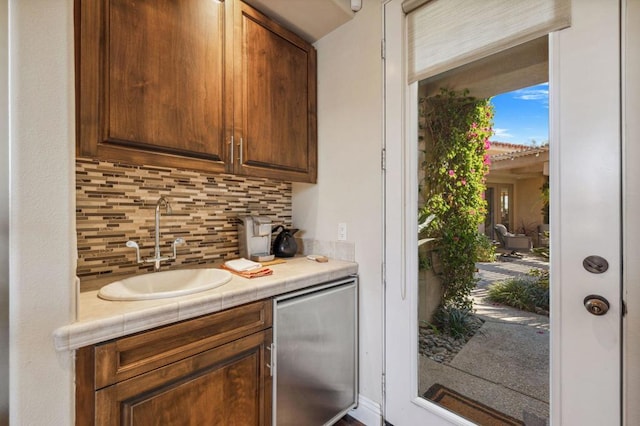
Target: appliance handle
x,y
271,365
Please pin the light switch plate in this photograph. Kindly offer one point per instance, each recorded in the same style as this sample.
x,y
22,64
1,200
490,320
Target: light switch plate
x,y
342,231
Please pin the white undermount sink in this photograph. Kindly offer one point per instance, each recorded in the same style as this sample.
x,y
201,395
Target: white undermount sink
x,y
159,285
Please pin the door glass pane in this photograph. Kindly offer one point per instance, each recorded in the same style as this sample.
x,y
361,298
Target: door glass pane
x,y
483,277
504,206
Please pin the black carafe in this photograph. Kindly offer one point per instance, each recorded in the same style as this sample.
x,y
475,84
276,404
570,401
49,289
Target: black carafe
x,y
285,244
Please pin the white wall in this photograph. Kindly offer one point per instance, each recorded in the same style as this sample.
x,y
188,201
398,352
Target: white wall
x,y
42,193
4,218
349,187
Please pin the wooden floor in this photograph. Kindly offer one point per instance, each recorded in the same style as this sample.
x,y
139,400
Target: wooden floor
x,y
348,421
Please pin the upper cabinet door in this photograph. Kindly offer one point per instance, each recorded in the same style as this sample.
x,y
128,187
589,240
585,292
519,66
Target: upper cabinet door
x,y
152,82
275,128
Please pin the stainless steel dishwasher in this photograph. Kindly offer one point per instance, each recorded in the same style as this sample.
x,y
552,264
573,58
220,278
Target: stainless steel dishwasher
x,y
315,354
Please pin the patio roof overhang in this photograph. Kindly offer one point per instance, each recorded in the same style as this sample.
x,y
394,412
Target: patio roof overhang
x,y
532,162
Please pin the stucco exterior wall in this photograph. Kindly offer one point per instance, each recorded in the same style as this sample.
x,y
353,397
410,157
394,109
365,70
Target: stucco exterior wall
x,y
528,204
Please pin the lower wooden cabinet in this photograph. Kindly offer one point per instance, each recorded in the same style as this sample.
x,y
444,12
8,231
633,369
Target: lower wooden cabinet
x,y
222,384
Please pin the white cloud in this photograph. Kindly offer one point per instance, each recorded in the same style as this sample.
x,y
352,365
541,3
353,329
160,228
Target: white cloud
x,y
501,134
532,95
539,92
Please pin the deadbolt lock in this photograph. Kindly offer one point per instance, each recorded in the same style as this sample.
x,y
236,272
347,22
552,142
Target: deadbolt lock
x,y
596,305
595,264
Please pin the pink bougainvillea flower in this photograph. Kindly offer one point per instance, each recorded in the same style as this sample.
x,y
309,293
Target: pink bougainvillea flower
x,y
474,125
452,173
487,144
487,160
472,212
463,182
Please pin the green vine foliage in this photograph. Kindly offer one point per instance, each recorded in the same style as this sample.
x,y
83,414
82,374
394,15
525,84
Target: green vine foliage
x,y
458,128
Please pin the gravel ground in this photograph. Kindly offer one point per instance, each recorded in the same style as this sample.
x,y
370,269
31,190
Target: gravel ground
x,y
441,348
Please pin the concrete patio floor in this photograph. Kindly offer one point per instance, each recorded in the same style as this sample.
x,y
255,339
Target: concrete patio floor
x,y
506,364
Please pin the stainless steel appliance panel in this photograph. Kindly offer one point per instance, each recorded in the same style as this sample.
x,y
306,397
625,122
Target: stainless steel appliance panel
x,y
316,355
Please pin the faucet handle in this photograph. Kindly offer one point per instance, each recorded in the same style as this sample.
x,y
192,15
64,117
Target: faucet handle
x,y
133,244
175,243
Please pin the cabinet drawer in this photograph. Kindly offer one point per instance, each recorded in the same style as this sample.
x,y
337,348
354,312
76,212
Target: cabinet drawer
x,y
130,356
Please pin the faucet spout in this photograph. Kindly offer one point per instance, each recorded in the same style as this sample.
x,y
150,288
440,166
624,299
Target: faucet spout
x,y
162,202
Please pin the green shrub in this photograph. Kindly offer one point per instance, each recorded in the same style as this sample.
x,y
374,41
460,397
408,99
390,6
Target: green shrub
x,y
526,292
454,169
541,251
485,250
455,322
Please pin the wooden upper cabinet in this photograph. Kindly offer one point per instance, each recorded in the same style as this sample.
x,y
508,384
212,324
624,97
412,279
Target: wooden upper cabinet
x,y
152,81
174,83
275,99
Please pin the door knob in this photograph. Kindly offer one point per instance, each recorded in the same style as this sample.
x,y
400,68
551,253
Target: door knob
x,y
596,305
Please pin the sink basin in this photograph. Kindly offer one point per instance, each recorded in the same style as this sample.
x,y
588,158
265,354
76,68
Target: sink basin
x,y
159,285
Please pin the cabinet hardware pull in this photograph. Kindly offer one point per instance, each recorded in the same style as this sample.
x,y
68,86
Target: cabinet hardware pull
x,y
240,145
271,364
231,143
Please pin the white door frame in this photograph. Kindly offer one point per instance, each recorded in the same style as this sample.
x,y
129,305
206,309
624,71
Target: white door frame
x,y
585,217
631,196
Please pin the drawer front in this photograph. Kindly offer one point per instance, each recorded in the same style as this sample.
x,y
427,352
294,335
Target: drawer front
x,y
130,356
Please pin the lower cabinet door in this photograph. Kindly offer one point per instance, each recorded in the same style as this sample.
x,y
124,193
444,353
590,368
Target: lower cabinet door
x,y
228,385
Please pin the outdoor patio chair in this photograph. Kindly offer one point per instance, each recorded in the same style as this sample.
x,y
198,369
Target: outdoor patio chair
x,y
511,241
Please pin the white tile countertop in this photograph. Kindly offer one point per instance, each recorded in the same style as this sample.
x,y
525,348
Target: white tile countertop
x,y
101,320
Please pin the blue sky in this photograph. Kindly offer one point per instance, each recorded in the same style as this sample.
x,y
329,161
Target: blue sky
x,y
522,116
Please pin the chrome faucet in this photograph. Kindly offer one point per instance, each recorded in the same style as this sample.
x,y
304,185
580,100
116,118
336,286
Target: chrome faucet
x,y
157,258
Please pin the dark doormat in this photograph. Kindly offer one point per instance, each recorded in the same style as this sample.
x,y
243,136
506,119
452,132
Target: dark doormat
x,y
468,408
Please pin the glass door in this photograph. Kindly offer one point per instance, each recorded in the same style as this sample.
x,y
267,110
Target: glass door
x,y
580,341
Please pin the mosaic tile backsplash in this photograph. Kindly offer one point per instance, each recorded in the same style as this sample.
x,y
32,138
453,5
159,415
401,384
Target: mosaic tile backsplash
x,y
116,202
